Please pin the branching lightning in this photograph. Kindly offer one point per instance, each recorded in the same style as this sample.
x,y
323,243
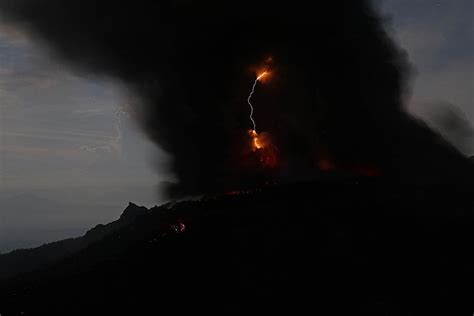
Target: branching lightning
x,y
250,96
114,144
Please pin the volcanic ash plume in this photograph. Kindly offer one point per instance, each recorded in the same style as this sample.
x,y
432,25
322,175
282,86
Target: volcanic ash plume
x,y
336,85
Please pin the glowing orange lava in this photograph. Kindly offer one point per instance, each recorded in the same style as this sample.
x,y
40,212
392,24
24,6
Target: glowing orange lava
x,y
256,141
264,149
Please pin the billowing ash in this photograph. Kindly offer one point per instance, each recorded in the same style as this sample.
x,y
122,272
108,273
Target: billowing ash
x,y
336,90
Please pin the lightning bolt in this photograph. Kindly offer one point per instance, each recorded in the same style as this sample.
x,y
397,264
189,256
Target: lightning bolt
x,y
114,145
250,96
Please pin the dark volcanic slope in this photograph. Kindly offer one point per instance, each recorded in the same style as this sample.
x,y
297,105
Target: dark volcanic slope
x,y
26,260
351,246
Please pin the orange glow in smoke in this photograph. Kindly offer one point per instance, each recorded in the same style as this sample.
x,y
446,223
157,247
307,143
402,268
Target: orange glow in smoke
x,y
325,164
262,74
328,164
263,149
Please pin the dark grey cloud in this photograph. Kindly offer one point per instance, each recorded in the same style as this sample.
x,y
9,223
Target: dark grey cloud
x,y
439,38
452,123
47,114
339,82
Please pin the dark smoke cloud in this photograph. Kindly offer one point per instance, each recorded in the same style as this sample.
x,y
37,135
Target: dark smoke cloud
x,y
453,124
337,86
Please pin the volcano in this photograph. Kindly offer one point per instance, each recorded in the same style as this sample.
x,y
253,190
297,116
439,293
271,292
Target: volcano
x,y
332,246
339,202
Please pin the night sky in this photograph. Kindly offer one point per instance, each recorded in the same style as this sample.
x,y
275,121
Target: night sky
x,y
72,156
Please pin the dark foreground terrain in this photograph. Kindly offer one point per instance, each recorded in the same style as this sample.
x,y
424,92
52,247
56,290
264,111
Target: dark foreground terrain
x,y
336,246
